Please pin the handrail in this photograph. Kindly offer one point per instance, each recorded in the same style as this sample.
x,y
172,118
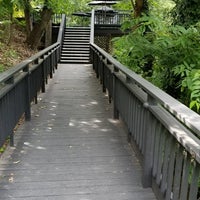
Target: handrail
x,y
165,132
4,76
188,117
61,29
180,111
92,27
20,85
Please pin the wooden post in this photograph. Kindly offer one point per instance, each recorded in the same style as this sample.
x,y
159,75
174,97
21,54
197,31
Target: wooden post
x,y
28,98
148,153
115,110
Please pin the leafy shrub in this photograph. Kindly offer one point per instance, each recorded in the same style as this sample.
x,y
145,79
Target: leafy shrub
x,y
168,56
1,68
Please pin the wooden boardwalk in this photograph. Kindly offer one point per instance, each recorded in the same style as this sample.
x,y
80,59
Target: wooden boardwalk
x,y
71,149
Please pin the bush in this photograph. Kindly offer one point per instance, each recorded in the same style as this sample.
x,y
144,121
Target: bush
x,y
168,56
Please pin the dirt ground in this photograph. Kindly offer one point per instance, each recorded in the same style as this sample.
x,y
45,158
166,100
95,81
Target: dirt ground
x,y
13,48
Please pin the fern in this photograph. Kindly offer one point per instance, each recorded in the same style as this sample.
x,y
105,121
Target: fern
x,y
174,52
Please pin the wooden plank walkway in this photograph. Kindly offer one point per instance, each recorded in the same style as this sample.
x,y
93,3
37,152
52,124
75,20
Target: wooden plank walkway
x,y
71,149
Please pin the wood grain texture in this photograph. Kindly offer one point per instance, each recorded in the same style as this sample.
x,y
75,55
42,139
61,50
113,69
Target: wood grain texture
x,y
72,148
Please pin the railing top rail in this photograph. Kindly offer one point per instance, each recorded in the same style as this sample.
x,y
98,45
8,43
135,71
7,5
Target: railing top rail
x,y
177,109
114,17
10,72
62,26
116,11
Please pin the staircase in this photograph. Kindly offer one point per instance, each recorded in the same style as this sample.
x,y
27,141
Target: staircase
x,y
75,48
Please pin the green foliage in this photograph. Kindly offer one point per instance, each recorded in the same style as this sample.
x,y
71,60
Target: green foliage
x,y
123,5
195,90
6,9
135,49
7,56
186,12
179,52
68,6
1,68
173,53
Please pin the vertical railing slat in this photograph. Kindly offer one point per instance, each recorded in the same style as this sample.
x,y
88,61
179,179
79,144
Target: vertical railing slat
x,y
177,173
195,179
185,177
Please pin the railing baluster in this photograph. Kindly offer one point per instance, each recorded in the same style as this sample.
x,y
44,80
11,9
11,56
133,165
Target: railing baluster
x,y
157,150
165,168
169,194
185,177
115,109
28,98
195,178
177,173
148,155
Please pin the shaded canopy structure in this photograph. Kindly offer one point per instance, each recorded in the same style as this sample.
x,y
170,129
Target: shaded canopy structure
x,y
105,9
82,14
93,3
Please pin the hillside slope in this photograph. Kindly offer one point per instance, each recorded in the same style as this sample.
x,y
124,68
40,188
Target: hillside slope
x,y
13,48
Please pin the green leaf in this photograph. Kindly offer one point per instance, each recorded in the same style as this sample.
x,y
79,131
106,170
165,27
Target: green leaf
x,y
192,104
195,94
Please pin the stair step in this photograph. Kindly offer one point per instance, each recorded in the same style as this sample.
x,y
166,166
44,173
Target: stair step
x,y
76,37
77,32
75,58
75,55
75,43
76,40
75,61
79,27
70,51
74,48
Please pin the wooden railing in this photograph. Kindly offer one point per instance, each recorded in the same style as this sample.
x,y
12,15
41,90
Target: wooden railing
x,y
165,132
57,18
20,85
113,18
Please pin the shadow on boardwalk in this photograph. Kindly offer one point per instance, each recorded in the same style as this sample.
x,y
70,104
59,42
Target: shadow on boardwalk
x,y
71,149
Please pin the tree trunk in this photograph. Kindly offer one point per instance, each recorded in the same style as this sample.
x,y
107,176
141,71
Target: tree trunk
x,y
27,14
36,34
48,34
133,5
141,6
